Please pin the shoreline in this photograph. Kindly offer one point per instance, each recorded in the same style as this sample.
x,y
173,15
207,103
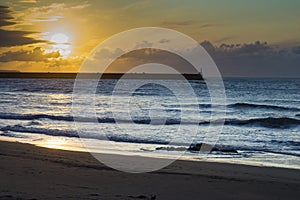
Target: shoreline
x,y
191,157
28,171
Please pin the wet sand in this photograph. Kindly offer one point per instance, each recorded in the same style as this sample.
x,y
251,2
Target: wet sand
x,y
30,172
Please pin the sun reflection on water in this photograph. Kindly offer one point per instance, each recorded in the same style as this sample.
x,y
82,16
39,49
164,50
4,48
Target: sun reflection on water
x,y
54,144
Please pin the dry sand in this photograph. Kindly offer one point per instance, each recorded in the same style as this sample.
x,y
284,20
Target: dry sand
x,y
29,172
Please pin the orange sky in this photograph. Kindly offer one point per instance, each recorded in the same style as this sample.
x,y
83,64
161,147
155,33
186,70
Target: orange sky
x,y
58,35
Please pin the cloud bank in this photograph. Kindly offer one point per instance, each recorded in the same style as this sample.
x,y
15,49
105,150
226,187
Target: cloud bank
x,y
258,59
37,55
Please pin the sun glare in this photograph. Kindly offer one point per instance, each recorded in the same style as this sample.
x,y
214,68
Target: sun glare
x,y
61,44
59,38
53,144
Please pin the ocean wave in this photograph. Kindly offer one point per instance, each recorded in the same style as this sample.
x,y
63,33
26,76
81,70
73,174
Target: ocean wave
x,y
191,105
67,118
156,121
203,147
234,105
52,132
229,150
10,134
10,131
269,122
72,133
260,106
266,150
34,117
287,143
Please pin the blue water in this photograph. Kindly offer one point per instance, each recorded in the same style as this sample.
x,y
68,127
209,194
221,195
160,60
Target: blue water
x,y
262,120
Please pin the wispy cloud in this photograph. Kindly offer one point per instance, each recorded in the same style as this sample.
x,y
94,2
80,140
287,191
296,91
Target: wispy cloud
x,y
179,23
206,25
28,1
48,13
141,4
81,6
47,19
10,38
223,39
186,23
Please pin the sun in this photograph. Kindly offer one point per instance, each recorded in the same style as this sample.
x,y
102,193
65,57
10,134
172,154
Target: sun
x,y
61,44
60,38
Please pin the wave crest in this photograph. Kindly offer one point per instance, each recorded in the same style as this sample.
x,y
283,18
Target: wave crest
x,y
260,106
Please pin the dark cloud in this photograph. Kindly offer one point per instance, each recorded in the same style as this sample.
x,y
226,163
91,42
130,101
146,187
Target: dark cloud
x,y
258,59
5,16
37,55
150,55
107,53
10,38
144,44
257,48
15,38
296,50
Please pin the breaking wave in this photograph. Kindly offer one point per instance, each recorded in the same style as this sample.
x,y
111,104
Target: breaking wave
x,y
261,106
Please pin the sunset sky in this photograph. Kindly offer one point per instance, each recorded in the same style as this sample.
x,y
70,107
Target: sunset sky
x,y
244,37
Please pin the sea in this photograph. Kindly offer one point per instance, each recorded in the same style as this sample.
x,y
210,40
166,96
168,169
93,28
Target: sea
x,y
261,119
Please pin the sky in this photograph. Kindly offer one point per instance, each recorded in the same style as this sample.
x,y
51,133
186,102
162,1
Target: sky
x,y
257,38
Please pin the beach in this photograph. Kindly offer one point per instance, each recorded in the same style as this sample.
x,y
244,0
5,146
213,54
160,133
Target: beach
x,y
30,172
149,100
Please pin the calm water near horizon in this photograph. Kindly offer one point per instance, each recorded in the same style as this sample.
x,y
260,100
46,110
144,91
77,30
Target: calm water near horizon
x,y
262,120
